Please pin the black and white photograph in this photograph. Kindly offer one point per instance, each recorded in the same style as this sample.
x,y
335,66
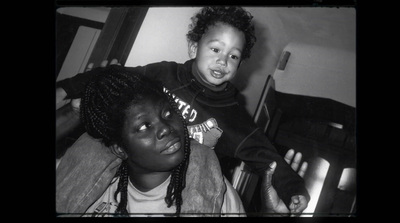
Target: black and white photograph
x,y
205,110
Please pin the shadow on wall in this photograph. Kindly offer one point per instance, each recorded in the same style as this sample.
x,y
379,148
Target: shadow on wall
x,y
253,64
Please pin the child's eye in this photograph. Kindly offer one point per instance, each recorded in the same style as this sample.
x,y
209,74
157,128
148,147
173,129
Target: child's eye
x,y
215,50
234,57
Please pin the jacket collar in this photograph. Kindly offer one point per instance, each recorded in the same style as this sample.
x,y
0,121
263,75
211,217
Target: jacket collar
x,y
204,192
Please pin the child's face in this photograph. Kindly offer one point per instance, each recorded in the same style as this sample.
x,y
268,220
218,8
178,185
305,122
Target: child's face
x,y
218,54
153,135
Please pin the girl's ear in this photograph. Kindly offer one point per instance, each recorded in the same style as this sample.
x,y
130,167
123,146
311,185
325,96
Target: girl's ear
x,y
119,152
192,46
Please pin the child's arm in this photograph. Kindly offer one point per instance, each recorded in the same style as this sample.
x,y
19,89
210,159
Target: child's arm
x,y
71,88
74,86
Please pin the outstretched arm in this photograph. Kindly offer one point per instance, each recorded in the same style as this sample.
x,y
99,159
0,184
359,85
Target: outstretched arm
x,y
61,94
67,109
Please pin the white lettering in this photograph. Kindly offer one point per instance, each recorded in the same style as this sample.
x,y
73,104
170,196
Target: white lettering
x,y
185,111
183,106
180,104
193,115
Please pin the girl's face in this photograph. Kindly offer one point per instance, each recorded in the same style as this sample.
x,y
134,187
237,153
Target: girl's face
x,y
218,54
153,136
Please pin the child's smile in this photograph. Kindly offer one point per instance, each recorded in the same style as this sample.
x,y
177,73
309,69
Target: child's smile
x,y
218,74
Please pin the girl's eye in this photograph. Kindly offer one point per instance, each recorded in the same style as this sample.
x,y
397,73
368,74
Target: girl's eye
x,y
143,127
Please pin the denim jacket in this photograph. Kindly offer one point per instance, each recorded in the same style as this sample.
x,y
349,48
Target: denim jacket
x,y
76,190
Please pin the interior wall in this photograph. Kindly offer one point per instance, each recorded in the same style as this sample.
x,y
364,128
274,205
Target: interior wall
x,y
162,37
77,30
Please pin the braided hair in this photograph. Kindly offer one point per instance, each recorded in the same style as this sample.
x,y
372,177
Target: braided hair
x,y
106,97
231,15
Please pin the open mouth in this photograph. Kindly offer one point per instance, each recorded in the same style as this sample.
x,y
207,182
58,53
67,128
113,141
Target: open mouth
x,y
172,147
217,74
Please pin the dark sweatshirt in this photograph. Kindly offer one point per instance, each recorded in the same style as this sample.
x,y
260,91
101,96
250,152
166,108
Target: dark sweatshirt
x,y
214,118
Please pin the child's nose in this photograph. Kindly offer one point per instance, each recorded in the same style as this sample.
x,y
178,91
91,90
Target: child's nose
x,y
221,60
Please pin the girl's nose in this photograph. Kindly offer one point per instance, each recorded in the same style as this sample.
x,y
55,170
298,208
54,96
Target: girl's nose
x,y
164,130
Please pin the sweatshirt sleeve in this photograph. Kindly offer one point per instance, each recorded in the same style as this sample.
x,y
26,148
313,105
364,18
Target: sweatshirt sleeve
x,y
75,85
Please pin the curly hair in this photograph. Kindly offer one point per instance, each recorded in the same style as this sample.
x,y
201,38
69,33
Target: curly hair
x,y
107,95
231,15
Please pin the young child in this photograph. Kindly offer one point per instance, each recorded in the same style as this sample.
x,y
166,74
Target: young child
x,y
219,40
158,173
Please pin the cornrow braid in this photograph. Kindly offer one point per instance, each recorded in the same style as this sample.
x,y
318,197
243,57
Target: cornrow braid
x,y
122,173
178,177
106,97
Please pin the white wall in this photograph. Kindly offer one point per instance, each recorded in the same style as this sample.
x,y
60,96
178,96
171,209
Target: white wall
x,y
318,71
162,37
276,27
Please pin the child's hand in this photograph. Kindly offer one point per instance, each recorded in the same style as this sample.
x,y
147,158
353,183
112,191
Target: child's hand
x,y
298,202
103,63
294,162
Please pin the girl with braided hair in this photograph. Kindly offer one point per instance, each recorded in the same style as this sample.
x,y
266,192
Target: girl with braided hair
x,y
134,119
